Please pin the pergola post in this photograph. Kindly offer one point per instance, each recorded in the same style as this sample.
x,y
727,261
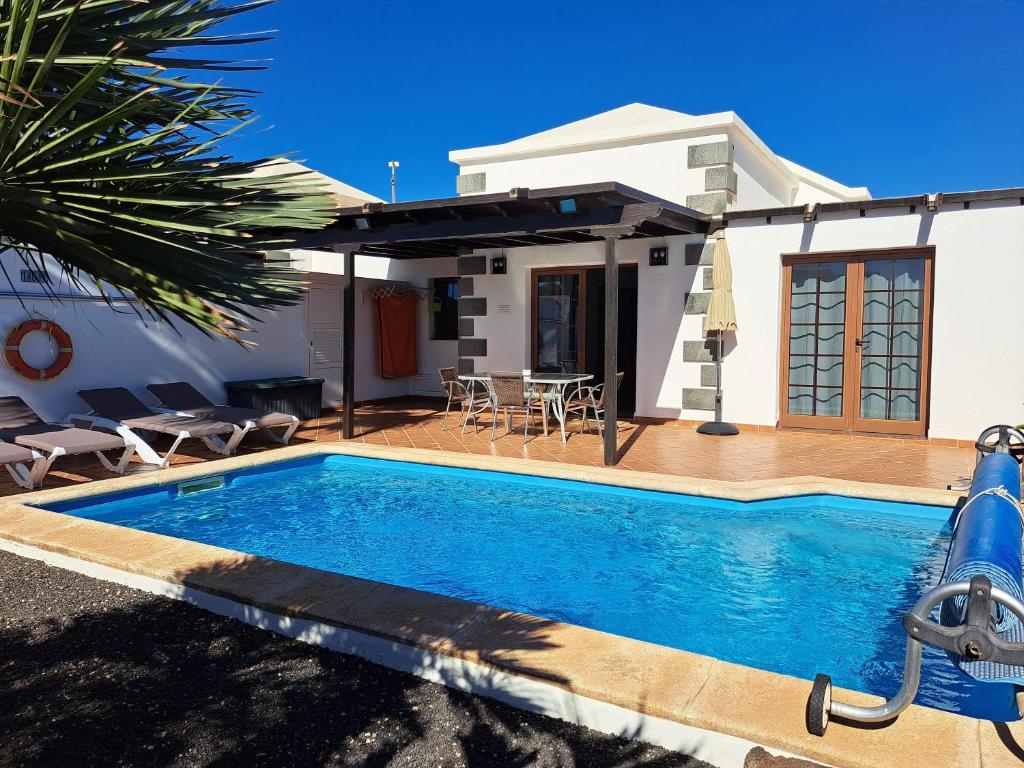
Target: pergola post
x,y
611,350
348,351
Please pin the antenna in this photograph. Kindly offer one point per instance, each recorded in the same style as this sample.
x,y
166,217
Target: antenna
x,y
393,165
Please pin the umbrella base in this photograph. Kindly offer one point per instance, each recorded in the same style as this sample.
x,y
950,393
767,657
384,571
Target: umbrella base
x,y
720,428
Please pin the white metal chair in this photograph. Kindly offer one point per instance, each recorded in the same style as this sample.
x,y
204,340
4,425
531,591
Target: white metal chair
x,y
470,403
587,399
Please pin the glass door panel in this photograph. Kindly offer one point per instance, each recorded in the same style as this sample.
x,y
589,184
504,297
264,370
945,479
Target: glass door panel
x,y
817,335
891,336
558,322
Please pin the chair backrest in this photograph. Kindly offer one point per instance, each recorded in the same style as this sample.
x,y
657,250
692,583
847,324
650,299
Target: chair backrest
x,y
618,381
15,414
449,376
180,395
115,403
509,389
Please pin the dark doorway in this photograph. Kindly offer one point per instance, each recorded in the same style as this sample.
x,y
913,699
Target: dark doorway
x,y
568,322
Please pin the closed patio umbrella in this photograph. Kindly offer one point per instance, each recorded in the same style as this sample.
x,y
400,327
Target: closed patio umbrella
x,y
721,317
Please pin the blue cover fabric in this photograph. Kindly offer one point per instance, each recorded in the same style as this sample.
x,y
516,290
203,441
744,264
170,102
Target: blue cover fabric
x,y
987,541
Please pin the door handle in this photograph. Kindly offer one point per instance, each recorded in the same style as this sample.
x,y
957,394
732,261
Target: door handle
x,y
859,342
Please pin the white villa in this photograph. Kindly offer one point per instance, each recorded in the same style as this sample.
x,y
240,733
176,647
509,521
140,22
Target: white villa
x,y
895,316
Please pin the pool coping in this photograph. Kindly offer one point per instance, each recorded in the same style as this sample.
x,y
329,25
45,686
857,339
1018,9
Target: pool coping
x,y
695,691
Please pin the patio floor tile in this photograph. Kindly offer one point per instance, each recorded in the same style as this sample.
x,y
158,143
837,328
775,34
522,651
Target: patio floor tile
x,y
666,448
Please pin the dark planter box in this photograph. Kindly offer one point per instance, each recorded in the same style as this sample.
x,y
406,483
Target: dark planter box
x,y
296,395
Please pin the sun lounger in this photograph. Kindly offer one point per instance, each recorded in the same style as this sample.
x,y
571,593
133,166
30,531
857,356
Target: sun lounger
x,y
25,466
181,397
120,411
22,429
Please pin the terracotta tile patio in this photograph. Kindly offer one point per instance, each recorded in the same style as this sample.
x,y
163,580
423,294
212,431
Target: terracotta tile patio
x,y
666,448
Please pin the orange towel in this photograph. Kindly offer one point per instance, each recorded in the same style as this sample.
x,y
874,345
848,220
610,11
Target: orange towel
x,y
396,336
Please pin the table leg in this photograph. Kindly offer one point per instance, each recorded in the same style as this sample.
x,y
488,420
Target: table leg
x,y
556,406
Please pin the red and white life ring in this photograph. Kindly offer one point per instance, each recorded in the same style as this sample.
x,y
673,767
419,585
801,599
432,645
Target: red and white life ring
x,y
12,349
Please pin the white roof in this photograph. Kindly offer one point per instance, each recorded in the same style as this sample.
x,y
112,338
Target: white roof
x,y
640,123
829,185
346,195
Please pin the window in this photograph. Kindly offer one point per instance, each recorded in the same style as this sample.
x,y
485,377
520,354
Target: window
x,y
445,309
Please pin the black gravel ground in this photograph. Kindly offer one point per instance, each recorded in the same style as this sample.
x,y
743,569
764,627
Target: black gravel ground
x,y
95,674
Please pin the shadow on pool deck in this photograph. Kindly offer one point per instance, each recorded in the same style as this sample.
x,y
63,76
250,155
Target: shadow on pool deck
x,y
93,673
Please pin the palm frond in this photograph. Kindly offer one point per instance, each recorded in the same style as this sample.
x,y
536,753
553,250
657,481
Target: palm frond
x,y
110,158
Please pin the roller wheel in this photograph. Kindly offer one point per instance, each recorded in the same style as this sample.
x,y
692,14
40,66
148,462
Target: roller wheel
x,y
1007,437
818,705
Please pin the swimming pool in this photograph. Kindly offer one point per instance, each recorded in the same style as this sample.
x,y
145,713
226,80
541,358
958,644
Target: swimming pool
x,y
795,586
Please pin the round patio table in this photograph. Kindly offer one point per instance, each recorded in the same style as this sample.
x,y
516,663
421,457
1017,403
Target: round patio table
x,y
556,383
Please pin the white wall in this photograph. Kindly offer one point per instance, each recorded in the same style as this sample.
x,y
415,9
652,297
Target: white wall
x,y
431,354
115,347
977,362
759,184
656,167
660,322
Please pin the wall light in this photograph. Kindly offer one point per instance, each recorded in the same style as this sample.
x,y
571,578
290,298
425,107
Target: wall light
x,y
362,223
499,266
567,206
659,256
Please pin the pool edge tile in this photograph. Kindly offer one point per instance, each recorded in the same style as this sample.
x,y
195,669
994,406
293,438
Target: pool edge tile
x,y
736,490
652,679
768,708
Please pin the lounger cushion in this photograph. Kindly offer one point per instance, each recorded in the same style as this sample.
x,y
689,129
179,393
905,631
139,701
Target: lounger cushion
x,y
179,395
73,440
12,454
15,414
182,396
118,404
240,416
170,424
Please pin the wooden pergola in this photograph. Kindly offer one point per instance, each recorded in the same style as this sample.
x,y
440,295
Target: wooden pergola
x,y
424,229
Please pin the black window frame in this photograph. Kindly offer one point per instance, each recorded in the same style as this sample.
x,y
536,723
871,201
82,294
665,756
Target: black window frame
x,y
444,324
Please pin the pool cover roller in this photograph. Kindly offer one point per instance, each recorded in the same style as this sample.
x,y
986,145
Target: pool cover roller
x,y
981,619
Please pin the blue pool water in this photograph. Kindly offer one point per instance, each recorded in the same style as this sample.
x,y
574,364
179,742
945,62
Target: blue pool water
x,y
797,586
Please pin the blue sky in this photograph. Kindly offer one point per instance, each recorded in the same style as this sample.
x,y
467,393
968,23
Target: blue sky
x,y
904,97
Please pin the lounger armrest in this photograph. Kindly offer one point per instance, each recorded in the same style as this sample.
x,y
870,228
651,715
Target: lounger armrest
x,y
91,420
80,420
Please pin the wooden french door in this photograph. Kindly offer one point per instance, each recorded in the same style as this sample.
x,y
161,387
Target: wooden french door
x,y
856,338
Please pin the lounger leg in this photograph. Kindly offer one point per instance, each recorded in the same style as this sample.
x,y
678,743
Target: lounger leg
x,y
284,436
21,474
41,466
174,446
216,444
32,477
283,439
122,463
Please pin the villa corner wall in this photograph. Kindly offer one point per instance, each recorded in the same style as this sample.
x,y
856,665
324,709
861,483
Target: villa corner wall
x,y
977,361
